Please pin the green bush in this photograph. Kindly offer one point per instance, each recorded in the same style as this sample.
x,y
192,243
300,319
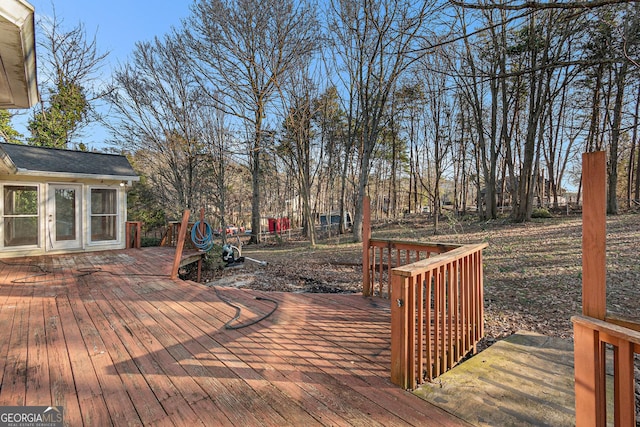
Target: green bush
x,y
541,213
149,241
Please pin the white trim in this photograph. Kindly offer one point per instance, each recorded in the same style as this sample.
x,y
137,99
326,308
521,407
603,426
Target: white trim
x,y
20,88
83,176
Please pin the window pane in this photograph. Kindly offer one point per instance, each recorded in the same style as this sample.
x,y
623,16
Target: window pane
x,y
103,228
65,214
104,206
20,200
19,231
103,201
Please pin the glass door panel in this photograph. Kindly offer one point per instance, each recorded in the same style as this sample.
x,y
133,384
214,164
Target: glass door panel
x,y
64,225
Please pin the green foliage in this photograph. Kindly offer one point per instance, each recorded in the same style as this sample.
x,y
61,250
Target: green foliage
x,y
55,124
142,205
540,213
7,132
149,241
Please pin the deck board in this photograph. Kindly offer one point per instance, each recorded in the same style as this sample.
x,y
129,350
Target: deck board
x,y
114,340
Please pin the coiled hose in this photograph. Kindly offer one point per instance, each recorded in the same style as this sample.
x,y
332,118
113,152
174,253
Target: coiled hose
x,y
202,240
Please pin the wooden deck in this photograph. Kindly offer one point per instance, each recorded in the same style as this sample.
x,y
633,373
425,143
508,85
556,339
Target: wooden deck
x,y
114,341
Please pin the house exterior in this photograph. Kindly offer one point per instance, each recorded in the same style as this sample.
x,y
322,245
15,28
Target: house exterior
x,y
58,201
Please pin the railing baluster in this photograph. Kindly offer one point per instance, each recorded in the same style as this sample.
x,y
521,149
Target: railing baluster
x,y
441,326
428,329
421,340
456,311
411,335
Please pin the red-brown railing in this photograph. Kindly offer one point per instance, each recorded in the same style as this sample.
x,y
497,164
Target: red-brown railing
x,y
590,338
383,255
437,314
437,308
595,328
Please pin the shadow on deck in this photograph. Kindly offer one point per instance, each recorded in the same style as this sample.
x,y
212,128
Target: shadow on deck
x,y
113,340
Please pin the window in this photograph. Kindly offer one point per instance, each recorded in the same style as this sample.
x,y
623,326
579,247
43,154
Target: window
x,y
104,218
20,215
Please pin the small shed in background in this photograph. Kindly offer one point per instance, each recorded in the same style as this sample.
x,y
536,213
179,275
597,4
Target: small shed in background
x,y
57,201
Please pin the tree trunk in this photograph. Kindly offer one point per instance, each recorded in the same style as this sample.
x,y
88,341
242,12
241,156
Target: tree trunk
x,y
255,178
632,150
612,196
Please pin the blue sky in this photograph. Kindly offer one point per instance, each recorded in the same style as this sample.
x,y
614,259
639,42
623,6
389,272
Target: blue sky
x,y
118,25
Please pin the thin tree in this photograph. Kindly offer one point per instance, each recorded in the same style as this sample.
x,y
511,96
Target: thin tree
x,y
378,41
295,148
244,49
154,99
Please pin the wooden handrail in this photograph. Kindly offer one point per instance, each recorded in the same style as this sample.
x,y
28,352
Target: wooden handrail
x,y
413,245
590,337
438,261
610,329
437,314
624,322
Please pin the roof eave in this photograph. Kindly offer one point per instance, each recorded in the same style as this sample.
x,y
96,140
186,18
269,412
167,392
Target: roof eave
x,y
81,176
18,79
6,160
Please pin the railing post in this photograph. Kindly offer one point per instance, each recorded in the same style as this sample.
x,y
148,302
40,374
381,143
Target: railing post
x,y
201,230
180,244
133,234
366,237
594,292
588,351
399,331
590,393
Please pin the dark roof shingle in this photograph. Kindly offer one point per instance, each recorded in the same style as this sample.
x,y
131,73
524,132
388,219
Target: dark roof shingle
x,y
41,159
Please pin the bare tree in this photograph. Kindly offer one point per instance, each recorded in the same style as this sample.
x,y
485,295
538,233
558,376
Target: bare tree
x,y
244,49
154,101
483,65
295,147
376,41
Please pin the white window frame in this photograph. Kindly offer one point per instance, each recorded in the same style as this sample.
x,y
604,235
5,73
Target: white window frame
x,y
115,215
37,215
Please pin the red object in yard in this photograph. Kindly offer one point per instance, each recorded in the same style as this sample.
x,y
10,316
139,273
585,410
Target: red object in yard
x,y
277,225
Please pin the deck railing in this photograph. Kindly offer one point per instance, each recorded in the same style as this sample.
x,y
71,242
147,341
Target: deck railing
x,y
437,314
384,255
437,307
590,339
596,329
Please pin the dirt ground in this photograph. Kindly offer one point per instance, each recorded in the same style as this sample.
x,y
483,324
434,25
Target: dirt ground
x,y
533,271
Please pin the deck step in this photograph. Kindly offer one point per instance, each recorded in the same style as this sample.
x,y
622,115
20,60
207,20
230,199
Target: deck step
x,y
525,379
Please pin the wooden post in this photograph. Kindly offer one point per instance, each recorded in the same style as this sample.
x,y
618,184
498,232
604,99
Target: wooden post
x,y
366,237
624,385
399,333
590,394
180,245
594,288
589,358
201,229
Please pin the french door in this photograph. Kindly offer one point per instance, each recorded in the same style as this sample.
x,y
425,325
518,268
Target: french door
x,y
64,221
